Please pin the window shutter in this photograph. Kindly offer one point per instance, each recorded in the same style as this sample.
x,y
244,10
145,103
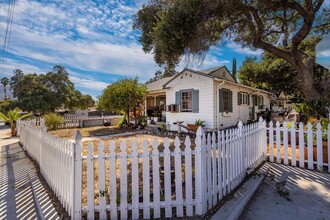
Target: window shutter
x,y
178,98
255,100
248,101
221,100
195,101
239,98
230,101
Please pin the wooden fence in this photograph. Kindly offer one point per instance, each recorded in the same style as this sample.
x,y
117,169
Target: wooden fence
x,y
299,147
73,121
55,157
183,179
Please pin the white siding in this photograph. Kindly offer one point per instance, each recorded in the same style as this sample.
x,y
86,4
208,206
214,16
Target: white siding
x,y
208,102
190,80
240,112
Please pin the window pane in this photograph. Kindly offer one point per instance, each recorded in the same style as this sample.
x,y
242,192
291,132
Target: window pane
x,y
186,101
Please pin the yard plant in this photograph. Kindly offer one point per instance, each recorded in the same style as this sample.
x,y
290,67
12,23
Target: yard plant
x,y
11,117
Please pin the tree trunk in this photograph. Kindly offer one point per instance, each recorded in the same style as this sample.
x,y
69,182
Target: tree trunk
x,y
128,120
13,130
135,119
306,80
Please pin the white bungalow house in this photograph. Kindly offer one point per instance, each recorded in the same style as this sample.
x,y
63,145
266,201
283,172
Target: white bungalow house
x,y
212,95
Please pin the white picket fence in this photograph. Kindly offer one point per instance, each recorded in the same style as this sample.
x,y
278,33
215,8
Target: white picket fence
x,y
55,157
299,147
73,121
181,180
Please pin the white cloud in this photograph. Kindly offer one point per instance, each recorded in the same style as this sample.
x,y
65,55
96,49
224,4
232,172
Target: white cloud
x,y
244,50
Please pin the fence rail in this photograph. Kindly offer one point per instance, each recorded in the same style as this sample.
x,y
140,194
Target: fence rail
x,y
299,147
182,179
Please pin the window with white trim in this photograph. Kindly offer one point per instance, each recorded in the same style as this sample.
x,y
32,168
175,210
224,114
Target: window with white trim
x,y
245,98
186,101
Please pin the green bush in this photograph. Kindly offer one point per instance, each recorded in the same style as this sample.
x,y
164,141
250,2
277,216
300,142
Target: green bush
x,y
122,122
53,121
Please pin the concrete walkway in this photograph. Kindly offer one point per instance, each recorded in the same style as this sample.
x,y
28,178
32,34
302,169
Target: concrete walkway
x,y
309,195
21,194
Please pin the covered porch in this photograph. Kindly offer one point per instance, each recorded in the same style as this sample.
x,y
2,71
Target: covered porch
x,y
155,101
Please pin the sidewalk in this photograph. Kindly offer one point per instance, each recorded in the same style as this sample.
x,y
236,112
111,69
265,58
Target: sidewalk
x,y
309,195
18,199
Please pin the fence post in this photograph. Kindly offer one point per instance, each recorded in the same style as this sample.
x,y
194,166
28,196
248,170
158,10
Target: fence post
x,y
77,176
200,173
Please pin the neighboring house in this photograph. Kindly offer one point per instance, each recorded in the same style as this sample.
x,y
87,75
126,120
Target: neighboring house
x,y
212,95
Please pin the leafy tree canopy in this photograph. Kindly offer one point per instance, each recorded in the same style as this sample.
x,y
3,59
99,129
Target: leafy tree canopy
x,y
4,81
122,95
276,75
171,29
47,92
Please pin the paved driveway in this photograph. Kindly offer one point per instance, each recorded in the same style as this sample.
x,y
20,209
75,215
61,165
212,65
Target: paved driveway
x,y
309,195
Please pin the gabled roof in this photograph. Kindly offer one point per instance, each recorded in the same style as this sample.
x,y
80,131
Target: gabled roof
x,y
158,85
210,75
207,73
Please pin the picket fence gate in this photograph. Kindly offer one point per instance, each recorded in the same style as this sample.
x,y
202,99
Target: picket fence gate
x,y
305,147
182,180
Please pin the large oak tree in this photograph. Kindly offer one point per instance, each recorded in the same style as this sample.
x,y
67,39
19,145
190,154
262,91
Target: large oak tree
x,y
172,28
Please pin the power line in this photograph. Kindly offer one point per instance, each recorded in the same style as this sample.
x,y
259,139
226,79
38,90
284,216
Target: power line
x,y
10,18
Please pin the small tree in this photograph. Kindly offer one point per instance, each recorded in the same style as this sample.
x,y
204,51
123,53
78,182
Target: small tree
x,y
123,95
11,118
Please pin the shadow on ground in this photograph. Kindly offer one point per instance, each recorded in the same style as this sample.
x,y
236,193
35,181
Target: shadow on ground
x,y
308,198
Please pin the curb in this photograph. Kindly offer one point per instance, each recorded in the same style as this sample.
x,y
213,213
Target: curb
x,y
232,209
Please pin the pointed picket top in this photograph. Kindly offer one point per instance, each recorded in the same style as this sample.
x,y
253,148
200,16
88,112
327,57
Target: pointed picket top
x,y
155,146
101,148
319,126
145,145
240,124
177,143
187,142
90,149
134,148
77,137
199,131
301,126
309,126
166,144
285,125
209,140
277,124
112,148
213,137
271,124
123,147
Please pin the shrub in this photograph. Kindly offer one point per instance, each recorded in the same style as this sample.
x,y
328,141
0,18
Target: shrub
x,y
122,122
53,121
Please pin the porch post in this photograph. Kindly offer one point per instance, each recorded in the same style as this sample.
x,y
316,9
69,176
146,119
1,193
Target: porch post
x,y
145,106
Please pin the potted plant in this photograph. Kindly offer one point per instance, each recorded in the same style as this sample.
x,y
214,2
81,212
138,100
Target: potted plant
x,y
155,116
148,120
197,124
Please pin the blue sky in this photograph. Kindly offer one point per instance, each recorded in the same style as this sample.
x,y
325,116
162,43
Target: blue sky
x,y
94,40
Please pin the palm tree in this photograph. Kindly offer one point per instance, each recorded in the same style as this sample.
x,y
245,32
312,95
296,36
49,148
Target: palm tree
x,y
11,118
